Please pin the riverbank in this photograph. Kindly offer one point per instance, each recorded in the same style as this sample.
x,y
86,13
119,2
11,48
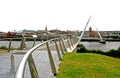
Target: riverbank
x,y
97,40
27,39
18,39
3,51
38,39
88,65
112,52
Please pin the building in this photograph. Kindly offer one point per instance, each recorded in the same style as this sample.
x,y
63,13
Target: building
x,y
92,33
2,34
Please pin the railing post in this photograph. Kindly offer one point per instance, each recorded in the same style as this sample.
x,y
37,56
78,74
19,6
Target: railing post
x,y
9,47
73,37
51,60
61,47
73,40
22,46
32,67
64,45
12,71
34,42
58,52
69,43
76,40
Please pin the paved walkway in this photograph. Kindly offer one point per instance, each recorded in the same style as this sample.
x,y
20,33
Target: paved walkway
x,y
41,60
5,66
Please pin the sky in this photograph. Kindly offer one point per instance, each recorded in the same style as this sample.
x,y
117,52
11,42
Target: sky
x,y
59,14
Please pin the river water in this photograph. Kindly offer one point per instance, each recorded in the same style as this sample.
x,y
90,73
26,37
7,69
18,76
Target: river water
x,y
88,45
104,47
16,44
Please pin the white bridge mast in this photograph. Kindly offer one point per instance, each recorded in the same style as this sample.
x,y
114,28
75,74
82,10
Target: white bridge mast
x,y
84,29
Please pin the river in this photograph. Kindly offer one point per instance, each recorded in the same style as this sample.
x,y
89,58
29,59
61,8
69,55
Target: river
x,y
16,44
104,47
88,45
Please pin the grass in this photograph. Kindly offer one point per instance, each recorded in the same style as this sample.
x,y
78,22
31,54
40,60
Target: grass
x,y
88,65
3,51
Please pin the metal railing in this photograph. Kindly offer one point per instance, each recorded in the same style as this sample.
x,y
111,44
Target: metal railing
x,y
61,45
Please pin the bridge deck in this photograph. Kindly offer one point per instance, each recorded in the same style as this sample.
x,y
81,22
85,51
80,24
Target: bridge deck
x,y
40,57
41,61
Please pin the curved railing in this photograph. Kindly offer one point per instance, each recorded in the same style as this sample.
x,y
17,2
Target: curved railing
x,y
21,68
61,46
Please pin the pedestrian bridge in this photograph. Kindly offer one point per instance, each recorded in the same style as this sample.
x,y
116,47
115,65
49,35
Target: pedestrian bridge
x,y
41,61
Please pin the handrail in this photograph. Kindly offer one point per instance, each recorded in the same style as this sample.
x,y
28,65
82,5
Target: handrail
x,y
21,68
28,57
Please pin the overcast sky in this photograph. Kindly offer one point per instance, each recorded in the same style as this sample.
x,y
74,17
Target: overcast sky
x,y
60,14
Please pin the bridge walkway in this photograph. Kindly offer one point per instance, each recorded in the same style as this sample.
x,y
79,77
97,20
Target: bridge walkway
x,y
40,57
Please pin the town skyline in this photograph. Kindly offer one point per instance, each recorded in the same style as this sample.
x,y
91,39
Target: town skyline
x,y
93,28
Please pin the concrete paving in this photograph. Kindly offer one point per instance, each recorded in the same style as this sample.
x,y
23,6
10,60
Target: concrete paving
x,y
41,60
5,66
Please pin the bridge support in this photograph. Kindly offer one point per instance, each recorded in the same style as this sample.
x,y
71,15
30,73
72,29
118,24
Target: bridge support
x,y
69,43
22,45
34,42
51,60
58,52
65,49
61,47
33,70
9,47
